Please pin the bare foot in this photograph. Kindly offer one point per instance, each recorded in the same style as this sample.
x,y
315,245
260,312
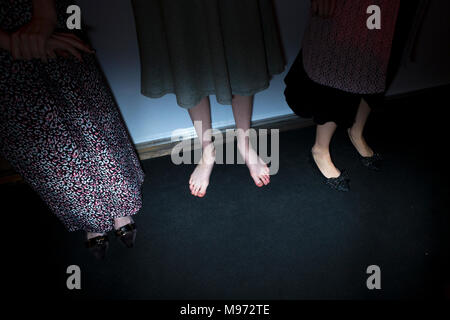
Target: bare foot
x,y
360,144
199,180
323,161
257,167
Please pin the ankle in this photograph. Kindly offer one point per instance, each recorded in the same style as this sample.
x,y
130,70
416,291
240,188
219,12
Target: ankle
x,y
208,148
318,150
207,144
208,154
242,141
356,134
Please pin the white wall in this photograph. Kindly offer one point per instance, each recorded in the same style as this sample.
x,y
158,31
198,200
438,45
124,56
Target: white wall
x,y
113,35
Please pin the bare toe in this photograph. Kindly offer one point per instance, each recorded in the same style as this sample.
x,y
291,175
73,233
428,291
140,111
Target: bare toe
x,y
258,181
197,189
202,192
200,177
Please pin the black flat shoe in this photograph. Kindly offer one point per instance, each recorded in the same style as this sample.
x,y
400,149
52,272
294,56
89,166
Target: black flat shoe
x,y
341,183
98,246
373,162
127,234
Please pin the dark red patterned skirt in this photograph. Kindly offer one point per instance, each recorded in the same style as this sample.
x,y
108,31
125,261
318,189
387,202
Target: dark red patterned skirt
x,y
310,99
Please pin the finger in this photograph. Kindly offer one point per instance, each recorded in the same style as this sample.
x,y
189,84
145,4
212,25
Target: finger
x,y
68,34
24,46
318,4
41,49
62,53
75,53
15,46
33,45
72,51
51,53
77,43
328,8
322,8
332,7
314,7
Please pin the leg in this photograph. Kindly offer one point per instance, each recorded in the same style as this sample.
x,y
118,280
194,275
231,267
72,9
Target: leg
x,y
201,117
356,131
321,150
242,111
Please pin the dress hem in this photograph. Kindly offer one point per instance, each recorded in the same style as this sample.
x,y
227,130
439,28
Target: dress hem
x,y
206,93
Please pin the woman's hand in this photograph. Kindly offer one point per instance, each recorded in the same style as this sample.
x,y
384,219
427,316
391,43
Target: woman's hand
x,y
5,41
66,44
323,8
30,41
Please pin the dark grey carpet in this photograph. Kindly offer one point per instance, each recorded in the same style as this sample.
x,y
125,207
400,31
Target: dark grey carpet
x,y
294,239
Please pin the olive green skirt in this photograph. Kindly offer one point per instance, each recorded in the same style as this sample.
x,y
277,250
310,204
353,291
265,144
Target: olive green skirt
x,y
196,48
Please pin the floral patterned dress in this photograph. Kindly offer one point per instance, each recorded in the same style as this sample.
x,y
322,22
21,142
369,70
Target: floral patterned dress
x,y
61,129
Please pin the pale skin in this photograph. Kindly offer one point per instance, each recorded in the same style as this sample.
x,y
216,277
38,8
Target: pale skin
x,y
242,111
324,133
38,40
